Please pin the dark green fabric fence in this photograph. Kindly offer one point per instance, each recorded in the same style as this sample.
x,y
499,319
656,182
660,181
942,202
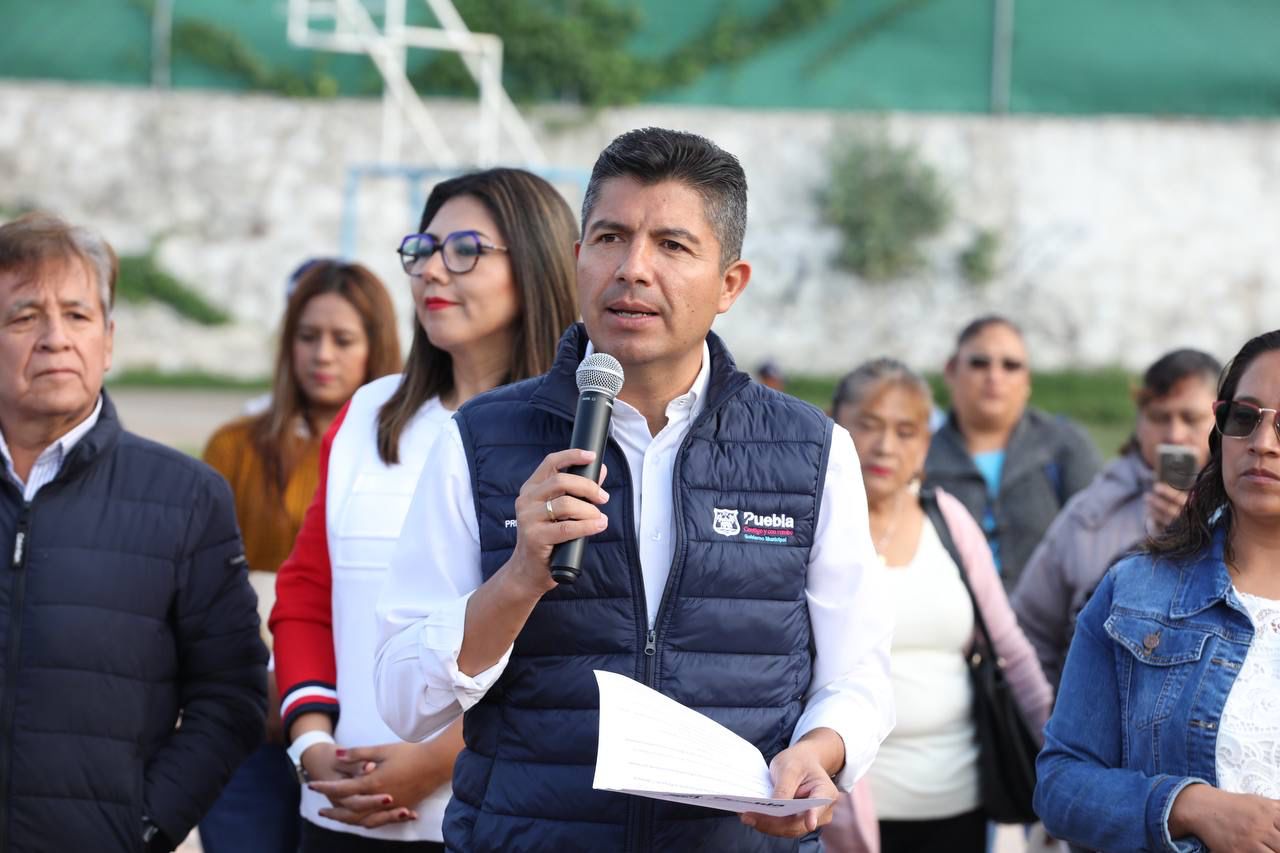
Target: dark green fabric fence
x,y
1194,57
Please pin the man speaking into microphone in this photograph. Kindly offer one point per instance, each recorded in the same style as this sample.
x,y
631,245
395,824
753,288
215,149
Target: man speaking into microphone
x,y
728,563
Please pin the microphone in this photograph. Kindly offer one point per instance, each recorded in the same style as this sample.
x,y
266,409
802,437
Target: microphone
x,y
599,379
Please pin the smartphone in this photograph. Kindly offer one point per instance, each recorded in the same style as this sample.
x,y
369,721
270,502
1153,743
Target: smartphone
x,y
1176,465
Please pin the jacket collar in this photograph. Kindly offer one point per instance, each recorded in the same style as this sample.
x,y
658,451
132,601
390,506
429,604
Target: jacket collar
x,y
100,439
558,391
1205,580
1021,451
958,460
1121,482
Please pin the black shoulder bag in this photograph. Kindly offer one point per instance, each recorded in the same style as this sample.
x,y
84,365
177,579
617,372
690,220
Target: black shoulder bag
x,y
1006,745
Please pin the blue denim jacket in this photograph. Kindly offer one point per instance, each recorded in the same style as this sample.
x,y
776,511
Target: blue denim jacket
x,y
1155,654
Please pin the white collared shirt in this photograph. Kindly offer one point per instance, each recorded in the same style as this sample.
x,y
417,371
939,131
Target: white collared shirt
x,y
49,462
436,567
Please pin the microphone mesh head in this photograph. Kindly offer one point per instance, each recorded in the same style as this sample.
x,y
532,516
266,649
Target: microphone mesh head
x,y
600,372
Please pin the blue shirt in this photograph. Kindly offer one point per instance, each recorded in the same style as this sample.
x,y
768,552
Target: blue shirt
x,y
990,465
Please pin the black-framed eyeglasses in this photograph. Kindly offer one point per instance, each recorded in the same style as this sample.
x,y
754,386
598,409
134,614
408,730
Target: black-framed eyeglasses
x,y
985,362
1238,419
460,251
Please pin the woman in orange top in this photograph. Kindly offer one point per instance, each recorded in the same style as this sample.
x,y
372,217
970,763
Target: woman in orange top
x,y
339,333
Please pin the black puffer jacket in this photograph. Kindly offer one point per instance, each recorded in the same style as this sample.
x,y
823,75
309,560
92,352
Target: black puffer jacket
x,y
124,603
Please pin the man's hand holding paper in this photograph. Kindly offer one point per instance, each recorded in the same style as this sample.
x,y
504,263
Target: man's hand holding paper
x,y
801,774
652,746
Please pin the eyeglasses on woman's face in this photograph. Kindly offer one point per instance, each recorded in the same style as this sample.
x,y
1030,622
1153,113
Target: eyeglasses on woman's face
x,y
460,251
1238,418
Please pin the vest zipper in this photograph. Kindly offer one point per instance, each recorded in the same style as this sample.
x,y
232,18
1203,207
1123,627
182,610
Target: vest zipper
x,y
18,583
638,809
643,811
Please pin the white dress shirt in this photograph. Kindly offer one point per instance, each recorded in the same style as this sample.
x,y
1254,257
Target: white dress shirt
x,y
49,462
436,567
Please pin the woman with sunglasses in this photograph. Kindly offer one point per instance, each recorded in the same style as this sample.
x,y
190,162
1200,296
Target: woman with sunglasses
x,y
492,280
1011,465
1165,735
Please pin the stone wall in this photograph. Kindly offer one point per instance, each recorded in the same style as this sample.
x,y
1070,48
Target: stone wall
x,y
1121,238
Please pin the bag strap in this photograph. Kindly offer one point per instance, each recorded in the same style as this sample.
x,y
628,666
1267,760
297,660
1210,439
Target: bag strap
x,y
929,503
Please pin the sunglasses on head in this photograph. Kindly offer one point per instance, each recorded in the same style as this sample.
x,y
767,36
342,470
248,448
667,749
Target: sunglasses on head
x,y
985,362
1238,419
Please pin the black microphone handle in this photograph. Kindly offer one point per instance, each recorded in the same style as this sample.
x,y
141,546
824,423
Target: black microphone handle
x,y
590,432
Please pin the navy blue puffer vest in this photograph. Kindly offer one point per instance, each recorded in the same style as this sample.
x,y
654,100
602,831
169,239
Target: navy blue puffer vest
x,y
732,637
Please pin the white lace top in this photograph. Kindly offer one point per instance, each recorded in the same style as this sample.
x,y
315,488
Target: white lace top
x,y
1248,754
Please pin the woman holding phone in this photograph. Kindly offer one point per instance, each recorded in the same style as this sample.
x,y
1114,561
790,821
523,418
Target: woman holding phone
x,y
1165,736
1124,504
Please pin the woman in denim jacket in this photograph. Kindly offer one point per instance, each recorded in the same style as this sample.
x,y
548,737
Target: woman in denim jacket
x,y
1166,734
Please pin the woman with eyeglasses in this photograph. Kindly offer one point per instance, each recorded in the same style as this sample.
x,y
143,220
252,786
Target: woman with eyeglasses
x,y
922,792
1125,504
1166,734
339,332
491,273
1012,466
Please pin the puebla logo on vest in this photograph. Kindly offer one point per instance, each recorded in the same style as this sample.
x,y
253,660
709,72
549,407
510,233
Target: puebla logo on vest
x,y
775,528
725,522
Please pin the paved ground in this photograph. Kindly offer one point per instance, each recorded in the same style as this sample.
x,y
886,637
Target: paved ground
x,y
186,418
179,418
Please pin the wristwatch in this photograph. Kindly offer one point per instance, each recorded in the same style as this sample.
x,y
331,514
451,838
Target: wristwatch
x,y
300,745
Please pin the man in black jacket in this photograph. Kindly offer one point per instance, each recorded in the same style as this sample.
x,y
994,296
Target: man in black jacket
x,y
132,676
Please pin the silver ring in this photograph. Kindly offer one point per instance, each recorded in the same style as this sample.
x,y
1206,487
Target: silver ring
x,y
551,513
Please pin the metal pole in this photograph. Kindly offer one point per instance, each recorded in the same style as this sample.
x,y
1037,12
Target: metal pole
x,y
1002,56
393,27
161,38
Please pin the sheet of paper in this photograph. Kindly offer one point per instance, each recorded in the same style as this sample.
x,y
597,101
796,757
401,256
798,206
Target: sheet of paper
x,y
652,746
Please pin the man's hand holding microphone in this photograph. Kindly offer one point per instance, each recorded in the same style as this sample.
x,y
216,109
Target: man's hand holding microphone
x,y
557,509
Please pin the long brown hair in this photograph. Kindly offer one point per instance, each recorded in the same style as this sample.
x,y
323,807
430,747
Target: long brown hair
x,y
272,431
538,230
1192,532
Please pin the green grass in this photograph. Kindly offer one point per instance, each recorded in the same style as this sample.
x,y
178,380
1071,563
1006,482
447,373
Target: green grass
x,y
151,378
142,280
1098,400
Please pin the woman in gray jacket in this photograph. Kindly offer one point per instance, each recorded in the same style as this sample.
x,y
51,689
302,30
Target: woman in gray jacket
x,y
1013,466
1120,508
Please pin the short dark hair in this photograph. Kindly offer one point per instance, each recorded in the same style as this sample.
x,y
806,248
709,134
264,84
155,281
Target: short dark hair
x,y
1191,532
1173,367
1165,373
651,155
981,324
